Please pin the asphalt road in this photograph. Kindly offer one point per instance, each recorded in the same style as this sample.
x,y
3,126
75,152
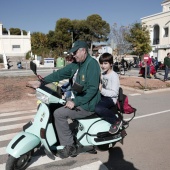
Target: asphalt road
x,y
147,143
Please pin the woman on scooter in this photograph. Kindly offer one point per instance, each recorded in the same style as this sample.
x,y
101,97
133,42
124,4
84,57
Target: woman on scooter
x,y
109,89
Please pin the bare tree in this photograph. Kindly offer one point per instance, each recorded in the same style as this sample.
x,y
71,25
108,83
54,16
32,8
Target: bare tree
x,y
118,35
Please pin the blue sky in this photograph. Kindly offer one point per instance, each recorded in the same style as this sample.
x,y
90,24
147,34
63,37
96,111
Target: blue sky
x,y
41,15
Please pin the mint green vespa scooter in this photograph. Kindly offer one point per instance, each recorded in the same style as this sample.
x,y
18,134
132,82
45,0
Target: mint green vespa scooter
x,y
40,132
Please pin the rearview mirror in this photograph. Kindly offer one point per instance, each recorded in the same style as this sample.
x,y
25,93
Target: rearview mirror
x,y
33,67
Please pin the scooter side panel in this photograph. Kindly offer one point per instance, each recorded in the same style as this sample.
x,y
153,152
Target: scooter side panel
x,y
84,125
51,135
22,143
100,126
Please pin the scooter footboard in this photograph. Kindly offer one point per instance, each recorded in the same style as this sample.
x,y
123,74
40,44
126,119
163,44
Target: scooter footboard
x,y
22,143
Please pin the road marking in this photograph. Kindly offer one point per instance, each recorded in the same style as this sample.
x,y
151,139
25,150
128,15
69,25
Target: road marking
x,y
15,126
17,113
3,151
7,137
15,119
135,94
37,161
94,165
2,166
151,114
41,160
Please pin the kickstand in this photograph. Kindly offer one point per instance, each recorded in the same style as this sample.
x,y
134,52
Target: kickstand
x,y
121,141
123,134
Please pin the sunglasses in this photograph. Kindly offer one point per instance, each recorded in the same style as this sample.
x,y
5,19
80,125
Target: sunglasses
x,y
75,52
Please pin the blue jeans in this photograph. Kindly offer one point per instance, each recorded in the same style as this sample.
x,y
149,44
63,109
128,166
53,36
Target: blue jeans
x,y
166,73
148,70
103,109
66,88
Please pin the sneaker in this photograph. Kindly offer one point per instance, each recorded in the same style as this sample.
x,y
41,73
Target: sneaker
x,y
68,150
115,127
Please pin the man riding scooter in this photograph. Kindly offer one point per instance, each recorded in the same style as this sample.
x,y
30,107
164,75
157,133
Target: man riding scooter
x,y
85,90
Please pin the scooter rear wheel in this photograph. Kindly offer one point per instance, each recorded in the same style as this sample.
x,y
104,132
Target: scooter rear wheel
x,y
20,163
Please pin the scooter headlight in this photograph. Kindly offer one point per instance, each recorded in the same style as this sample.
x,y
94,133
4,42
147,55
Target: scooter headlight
x,y
42,97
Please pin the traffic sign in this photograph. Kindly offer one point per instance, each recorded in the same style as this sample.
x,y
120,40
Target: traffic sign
x,y
146,57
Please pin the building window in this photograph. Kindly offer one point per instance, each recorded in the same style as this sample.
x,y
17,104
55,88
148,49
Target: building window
x,y
166,32
16,48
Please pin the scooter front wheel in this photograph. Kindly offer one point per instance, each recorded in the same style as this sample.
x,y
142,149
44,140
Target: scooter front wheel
x,y
20,163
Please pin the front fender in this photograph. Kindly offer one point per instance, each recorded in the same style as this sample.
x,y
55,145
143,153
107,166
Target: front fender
x,y
22,143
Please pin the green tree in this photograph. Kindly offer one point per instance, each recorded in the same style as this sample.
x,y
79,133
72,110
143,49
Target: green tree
x,y
52,44
17,31
68,31
39,44
98,29
62,35
139,38
4,31
24,32
78,30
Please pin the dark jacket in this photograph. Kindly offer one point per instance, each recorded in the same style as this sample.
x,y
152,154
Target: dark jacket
x,y
88,75
167,62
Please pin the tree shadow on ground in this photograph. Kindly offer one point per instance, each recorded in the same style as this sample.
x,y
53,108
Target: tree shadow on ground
x,y
116,161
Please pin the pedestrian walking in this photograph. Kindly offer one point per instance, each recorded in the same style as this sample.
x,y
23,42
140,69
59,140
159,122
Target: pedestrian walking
x,y
156,64
167,66
149,66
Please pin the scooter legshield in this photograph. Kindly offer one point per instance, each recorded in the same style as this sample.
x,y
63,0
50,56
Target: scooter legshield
x,y
22,143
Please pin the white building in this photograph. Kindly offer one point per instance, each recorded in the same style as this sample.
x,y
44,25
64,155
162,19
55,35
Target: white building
x,y
159,27
14,45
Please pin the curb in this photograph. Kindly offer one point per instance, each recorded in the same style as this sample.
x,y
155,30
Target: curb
x,y
31,94
146,91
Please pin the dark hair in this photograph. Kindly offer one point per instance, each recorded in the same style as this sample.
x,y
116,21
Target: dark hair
x,y
70,58
106,57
